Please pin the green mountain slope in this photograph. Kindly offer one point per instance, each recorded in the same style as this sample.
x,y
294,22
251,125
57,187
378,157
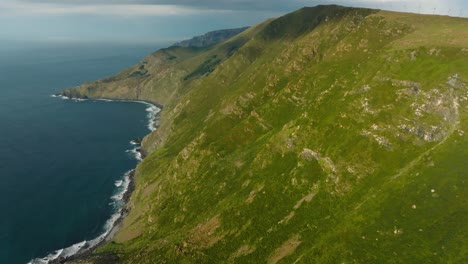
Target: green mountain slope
x,y
329,135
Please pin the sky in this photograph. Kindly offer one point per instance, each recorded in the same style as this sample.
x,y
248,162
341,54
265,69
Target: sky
x,y
158,21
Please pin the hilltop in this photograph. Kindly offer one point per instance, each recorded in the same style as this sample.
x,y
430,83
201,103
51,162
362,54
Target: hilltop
x,y
328,135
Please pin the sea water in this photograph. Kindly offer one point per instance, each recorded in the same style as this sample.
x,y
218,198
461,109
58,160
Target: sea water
x,y
63,163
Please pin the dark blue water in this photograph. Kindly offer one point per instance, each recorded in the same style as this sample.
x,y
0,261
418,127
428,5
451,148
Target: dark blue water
x,y
60,159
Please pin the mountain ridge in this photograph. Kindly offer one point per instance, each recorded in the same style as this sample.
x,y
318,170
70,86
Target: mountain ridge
x,y
210,38
330,134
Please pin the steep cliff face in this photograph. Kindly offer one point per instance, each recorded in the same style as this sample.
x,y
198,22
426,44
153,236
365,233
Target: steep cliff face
x,y
328,135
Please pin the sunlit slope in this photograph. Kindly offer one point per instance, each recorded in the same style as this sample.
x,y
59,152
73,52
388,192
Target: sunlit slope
x,y
330,135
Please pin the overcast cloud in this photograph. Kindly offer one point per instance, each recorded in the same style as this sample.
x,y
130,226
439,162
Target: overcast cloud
x,y
152,20
183,7
278,5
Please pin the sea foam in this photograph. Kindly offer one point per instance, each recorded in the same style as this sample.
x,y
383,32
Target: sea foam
x,y
152,113
135,153
118,183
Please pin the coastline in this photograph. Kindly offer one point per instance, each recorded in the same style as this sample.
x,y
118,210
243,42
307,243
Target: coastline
x,y
85,248
83,98
117,225
156,107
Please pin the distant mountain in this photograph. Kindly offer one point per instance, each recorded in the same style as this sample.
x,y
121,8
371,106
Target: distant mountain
x,y
210,38
328,135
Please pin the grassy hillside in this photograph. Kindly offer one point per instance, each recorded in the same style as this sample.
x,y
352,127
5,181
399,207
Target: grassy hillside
x,y
329,135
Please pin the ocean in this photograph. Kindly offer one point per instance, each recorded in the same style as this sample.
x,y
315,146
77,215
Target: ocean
x,y
62,162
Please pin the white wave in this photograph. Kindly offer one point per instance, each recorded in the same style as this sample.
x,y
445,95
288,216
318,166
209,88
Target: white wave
x,y
117,197
135,153
78,99
118,183
60,96
73,249
66,97
122,188
133,142
152,113
75,99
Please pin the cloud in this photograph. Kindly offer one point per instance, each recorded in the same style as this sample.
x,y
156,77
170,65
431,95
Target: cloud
x,y
153,10
189,7
11,7
195,3
137,6
153,20
441,7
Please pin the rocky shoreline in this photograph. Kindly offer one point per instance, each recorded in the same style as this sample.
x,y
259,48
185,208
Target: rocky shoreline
x,y
75,96
86,253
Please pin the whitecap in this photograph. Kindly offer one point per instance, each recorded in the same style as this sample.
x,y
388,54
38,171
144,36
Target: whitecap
x,y
117,197
73,249
78,99
122,188
118,183
152,113
135,153
60,96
